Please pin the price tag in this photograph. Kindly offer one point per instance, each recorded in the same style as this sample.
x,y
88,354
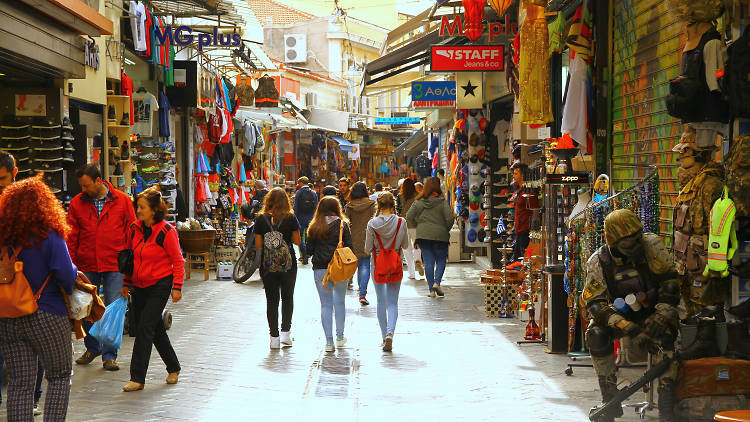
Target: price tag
x,y
544,132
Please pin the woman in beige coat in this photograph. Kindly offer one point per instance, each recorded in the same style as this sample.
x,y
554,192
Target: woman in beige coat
x,y
360,210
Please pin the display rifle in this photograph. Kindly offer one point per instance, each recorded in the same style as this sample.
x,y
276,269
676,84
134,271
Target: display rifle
x,y
602,412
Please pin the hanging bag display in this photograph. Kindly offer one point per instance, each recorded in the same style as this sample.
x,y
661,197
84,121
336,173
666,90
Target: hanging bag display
x,y
266,95
689,91
343,264
388,267
722,238
17,299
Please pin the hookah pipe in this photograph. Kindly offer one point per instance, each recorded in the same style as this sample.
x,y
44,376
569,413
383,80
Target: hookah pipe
x,y
532,328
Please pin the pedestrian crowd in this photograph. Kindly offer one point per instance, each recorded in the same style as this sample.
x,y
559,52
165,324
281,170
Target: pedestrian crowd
x,y
127,250
352,231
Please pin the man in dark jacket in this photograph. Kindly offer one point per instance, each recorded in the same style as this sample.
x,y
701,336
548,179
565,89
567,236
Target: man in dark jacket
x,y
260,191
305,203
344,185
99,217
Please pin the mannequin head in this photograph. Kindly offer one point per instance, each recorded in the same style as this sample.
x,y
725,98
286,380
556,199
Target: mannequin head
x,y
692,159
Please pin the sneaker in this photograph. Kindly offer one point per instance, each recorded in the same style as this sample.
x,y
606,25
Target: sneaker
x,y
150,156
388,343
432,293
37,410
150,169
438,290
363,301
111,365
87,358
420,267
329,346
340,341
275,343
286,339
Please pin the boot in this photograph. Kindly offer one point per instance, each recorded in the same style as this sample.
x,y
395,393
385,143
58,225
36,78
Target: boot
x,y
608,387
666,401
118,170
125,119
742,310
113,141
705,342
111,113
98,140
738,341
125,153
713,311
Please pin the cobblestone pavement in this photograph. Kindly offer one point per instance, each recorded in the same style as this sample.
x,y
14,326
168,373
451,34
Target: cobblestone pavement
x,y
449,363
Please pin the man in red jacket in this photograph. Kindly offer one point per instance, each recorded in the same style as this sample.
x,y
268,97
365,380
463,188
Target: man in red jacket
x,y
99,217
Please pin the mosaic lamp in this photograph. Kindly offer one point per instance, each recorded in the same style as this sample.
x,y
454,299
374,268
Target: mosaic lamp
x,y
500,6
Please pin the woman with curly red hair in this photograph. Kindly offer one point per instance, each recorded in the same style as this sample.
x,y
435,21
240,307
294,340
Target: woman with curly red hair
x,y
35,227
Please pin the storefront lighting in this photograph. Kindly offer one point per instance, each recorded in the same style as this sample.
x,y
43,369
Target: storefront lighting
x,y
128,61
500,6
473,16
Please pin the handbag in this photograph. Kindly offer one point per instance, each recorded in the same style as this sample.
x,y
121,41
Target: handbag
x,y
343,264
125,261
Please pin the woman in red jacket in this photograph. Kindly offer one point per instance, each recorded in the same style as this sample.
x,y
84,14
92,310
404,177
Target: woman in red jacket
x,y
158,270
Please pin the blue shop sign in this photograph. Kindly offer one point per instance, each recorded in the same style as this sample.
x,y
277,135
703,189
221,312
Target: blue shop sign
x,y
433,91
397,120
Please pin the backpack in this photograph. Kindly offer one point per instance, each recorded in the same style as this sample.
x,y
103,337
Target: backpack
x,y
720,235
343,264
738,174
388,268
17,299
214,128
276,255
689,90
736,80
306,202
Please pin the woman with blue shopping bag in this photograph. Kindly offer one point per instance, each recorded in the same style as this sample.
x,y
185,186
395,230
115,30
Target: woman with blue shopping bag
x,y
157,273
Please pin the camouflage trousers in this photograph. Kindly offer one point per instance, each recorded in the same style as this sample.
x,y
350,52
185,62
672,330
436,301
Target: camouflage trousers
x,y
699,292
605,366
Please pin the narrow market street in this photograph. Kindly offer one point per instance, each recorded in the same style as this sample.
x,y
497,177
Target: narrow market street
x,y
449,363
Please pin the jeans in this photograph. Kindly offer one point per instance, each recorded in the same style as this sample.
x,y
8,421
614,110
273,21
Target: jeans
x,y
279,286
519,246
330,302
434,255
147,306
303,241
387,294
363,275
111,281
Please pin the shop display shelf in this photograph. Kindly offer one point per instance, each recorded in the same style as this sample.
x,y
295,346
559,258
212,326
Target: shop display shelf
x,y
117,126
122,97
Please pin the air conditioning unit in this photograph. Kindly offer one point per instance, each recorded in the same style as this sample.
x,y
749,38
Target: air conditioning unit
x,y
311,99
295,48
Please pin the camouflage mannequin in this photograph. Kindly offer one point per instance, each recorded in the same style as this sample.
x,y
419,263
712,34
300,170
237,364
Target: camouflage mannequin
x,y
702,182
633,267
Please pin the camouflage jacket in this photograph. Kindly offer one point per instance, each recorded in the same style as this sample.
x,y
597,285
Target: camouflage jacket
x,y
701,193
659,262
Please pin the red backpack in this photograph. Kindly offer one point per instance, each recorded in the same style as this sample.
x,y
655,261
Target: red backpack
x,y
388,267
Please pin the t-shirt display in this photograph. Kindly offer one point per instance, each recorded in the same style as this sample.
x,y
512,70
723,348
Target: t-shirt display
x,y
144,106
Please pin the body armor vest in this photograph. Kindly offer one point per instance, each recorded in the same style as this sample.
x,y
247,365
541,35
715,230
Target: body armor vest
x,y
690,256
626,279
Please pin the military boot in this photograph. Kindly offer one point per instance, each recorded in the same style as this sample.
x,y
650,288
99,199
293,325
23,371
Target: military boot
x,y
666,401
705,342
715,311
608,387
738,341
742,310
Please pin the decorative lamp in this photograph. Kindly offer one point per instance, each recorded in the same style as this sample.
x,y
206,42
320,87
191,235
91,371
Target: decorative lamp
x,y
500,6
473,16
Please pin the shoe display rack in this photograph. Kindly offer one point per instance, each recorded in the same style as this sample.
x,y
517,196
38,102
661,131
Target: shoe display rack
x,y
41,146
116,148
497,192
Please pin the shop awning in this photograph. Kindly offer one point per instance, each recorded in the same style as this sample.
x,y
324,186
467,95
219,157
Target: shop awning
x,y
272,116
330,120
343,143
413,145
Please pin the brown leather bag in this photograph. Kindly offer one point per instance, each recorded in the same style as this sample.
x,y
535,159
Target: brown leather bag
x,y
17,299
83,284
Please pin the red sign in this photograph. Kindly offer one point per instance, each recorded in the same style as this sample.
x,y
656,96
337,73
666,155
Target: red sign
x,y
465,58
434,104
496,29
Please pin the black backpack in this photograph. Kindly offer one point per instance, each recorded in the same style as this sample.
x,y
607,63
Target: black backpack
x,y
736,81
689,90
306,202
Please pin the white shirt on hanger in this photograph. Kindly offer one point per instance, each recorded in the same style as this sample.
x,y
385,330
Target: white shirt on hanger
x,y
138,25
144,106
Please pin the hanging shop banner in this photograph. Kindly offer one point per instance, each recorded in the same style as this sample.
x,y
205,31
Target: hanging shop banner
x,y
463,58
397,120
469,90
354,153
433,94
31,105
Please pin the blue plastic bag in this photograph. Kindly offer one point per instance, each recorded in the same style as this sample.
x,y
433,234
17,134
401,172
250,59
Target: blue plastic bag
x,y
108,330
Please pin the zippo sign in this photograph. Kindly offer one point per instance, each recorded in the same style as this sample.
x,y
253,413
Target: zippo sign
x,y
467,58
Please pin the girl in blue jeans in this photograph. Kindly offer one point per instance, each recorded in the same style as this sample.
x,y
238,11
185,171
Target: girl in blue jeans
x,y
383,231
322,240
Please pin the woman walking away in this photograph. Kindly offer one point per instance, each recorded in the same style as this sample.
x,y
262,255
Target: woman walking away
x,y
431,215
323,238
383,231
158,272
408,195
33,235
360,211
279,266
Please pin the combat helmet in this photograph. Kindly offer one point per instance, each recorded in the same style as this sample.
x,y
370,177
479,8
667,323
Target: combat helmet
x,y
620,224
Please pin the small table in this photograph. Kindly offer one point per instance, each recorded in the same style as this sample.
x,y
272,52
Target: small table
x,y
733,416
203,259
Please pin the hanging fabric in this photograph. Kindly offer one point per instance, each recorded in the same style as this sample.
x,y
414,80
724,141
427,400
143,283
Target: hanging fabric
x,y
534,95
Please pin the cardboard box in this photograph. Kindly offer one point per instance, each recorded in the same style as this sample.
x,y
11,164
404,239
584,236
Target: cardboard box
x,y
583,163
224,270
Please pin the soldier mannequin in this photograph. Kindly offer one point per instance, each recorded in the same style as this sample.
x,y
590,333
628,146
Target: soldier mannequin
x,y
634,267
702,182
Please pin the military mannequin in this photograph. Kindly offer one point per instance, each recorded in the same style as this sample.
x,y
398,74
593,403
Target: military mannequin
x,y
631,268
702,182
